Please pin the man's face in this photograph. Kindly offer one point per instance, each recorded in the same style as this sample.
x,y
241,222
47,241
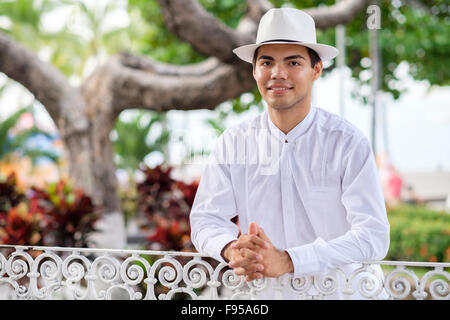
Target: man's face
x,y
284,75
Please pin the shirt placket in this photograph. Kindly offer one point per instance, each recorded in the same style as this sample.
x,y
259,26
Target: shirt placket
x,y
286,194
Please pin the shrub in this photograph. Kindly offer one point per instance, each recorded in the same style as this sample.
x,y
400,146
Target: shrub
x,y
419,234
68,214
165,204
20,226
57,216
10,195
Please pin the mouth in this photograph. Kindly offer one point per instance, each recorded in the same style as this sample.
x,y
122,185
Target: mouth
x,y
279,90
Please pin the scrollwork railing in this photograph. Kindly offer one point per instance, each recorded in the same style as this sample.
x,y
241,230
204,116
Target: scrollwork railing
x,y
97,274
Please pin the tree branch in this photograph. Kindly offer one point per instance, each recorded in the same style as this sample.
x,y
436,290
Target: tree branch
x,y
249,22
257,8
165,69
133,88
188,20
62,101
340,13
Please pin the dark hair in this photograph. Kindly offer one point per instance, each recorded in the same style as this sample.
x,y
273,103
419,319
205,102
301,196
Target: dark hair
x,y
313,56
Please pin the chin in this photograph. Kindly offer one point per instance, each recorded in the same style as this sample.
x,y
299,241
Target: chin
x,y
280,105
284,104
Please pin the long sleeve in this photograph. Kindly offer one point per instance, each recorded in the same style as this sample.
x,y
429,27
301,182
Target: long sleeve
x,y
368,237
214,206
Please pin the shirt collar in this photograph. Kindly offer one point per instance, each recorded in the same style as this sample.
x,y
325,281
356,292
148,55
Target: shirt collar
x,y
295,132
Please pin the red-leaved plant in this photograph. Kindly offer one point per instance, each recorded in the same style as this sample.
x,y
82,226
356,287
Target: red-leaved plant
x,y
166,203
21,227
57,216
69,215
10,195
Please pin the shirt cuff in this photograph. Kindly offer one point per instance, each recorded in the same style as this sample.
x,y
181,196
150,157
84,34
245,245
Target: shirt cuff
x,y
305,259
215,245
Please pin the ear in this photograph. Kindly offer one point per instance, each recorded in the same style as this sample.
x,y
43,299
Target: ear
x,y
317,70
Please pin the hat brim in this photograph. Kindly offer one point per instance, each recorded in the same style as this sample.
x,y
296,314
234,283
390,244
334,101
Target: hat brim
x,y
324,51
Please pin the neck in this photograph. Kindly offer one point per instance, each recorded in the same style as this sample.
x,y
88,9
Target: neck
x,y
287,119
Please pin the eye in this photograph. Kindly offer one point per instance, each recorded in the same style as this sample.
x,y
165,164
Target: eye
x,y
294,63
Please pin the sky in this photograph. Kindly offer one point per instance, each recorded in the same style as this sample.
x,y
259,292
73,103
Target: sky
x,y
418,124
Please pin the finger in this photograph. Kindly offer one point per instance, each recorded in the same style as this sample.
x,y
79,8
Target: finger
x,y
240,271
253,228
239,262
244,262
250,254
250,242
253,272
262,234
258,241
249,266
248,269
253,276
246,240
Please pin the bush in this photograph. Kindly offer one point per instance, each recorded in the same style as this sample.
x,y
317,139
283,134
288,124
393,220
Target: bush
x,y
165,204
10,195
57,216
419,234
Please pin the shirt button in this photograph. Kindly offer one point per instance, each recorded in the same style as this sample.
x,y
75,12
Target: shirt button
x,y
285,141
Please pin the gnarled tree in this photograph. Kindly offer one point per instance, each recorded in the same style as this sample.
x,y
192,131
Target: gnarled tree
x,y
85,115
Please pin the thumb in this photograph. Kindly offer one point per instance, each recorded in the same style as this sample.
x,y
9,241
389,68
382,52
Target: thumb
x,y
253,228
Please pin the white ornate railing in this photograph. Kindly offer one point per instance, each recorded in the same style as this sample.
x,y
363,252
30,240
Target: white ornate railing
x,y
87,273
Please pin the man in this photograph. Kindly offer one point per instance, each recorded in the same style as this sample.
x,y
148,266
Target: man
x,y
302,181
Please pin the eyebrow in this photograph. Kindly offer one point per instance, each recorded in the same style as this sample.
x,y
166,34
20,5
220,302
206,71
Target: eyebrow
x,y
297,56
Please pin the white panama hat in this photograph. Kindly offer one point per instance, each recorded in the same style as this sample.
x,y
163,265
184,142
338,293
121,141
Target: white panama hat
x,y
286,25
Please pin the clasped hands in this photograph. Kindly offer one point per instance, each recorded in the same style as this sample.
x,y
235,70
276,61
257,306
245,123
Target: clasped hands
x,y
254,256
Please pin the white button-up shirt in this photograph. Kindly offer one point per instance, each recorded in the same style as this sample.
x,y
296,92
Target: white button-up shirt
x,y
315,191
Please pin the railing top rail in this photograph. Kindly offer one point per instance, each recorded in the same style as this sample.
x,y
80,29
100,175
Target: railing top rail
x,y
411,263
196,254
106,250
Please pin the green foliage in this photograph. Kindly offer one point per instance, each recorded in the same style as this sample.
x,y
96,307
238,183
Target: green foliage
x,y
133,138
157,41
84,39
419,234
25,14
424,48
417,33
237,105
129,200
26,18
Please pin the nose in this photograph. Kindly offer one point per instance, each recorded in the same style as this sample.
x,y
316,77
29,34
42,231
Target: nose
x,y
278,72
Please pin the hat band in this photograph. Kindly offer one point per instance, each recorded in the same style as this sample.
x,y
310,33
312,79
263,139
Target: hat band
x,y
280,40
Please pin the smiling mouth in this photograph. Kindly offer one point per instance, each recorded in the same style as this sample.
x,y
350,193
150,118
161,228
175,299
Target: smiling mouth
x,y
278,90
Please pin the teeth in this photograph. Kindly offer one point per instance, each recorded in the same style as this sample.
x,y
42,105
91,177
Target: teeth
x,y
280,88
